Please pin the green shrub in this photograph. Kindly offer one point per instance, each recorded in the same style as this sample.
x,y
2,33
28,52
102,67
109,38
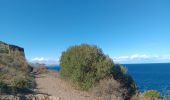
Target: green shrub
x,y
3,86
85,65
4,50
166,97
31,81
152,95
19,83
120,74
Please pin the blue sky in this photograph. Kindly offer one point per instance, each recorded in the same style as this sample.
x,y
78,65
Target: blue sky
x,y
129,31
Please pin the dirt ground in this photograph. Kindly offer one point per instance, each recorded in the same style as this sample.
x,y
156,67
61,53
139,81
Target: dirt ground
x,y
51,84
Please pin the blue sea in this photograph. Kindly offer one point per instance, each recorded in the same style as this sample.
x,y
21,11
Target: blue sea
x,y
147,76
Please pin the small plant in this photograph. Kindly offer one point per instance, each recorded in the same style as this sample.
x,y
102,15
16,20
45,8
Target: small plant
x,y
166,97
3,50
120,74
108,88
3,87
152,95
137,96
31,81
19,83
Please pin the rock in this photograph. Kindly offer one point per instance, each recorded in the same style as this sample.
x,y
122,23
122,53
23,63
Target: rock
x,y
12,56
54,98
29,97
9,97
41,97
10,49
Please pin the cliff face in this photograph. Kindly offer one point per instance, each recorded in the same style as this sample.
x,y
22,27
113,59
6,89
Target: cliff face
x,y
14,71
12,56
10,49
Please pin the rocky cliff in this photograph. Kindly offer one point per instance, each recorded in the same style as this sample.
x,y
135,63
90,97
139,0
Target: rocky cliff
x,y
10,49
12,56
14,71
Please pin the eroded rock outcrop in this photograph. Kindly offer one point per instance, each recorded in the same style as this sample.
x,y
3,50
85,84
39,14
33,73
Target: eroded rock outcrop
x,y
10,49
15,76
29,97
12,56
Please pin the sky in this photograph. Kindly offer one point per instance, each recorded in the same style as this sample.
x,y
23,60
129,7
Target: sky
x,y
129,31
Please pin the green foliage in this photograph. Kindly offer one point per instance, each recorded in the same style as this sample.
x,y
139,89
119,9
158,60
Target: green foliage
x,y
3,86
20,83
14,69
15,81
120,73
85,65
31,81
166,97
4,50
152,95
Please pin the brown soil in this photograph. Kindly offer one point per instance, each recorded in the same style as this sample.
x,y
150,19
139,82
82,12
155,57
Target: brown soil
x,y
51,84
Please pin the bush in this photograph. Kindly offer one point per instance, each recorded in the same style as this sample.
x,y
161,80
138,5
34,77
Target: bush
x,y
137,96
4,50
85,65
166,97
19,83
109,89
3,87
120,74
31,81
152,95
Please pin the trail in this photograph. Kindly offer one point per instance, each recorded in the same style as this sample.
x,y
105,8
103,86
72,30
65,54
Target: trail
x,y
51,84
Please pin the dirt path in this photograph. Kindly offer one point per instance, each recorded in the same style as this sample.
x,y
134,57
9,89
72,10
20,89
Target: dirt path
x,y
51,84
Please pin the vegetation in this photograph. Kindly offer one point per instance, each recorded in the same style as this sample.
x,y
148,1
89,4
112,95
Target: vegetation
x,y
14,80
166,97
109,89
19,83
152,95
120,74
14,70
86,65
3,50
3,86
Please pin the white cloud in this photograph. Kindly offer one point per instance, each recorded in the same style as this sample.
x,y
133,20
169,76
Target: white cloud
x,y
137,58
47,61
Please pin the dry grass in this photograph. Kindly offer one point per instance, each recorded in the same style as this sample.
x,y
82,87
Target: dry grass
x,y
109,89
14,66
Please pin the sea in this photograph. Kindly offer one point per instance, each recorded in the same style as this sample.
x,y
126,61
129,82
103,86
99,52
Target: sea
x,y
155,76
